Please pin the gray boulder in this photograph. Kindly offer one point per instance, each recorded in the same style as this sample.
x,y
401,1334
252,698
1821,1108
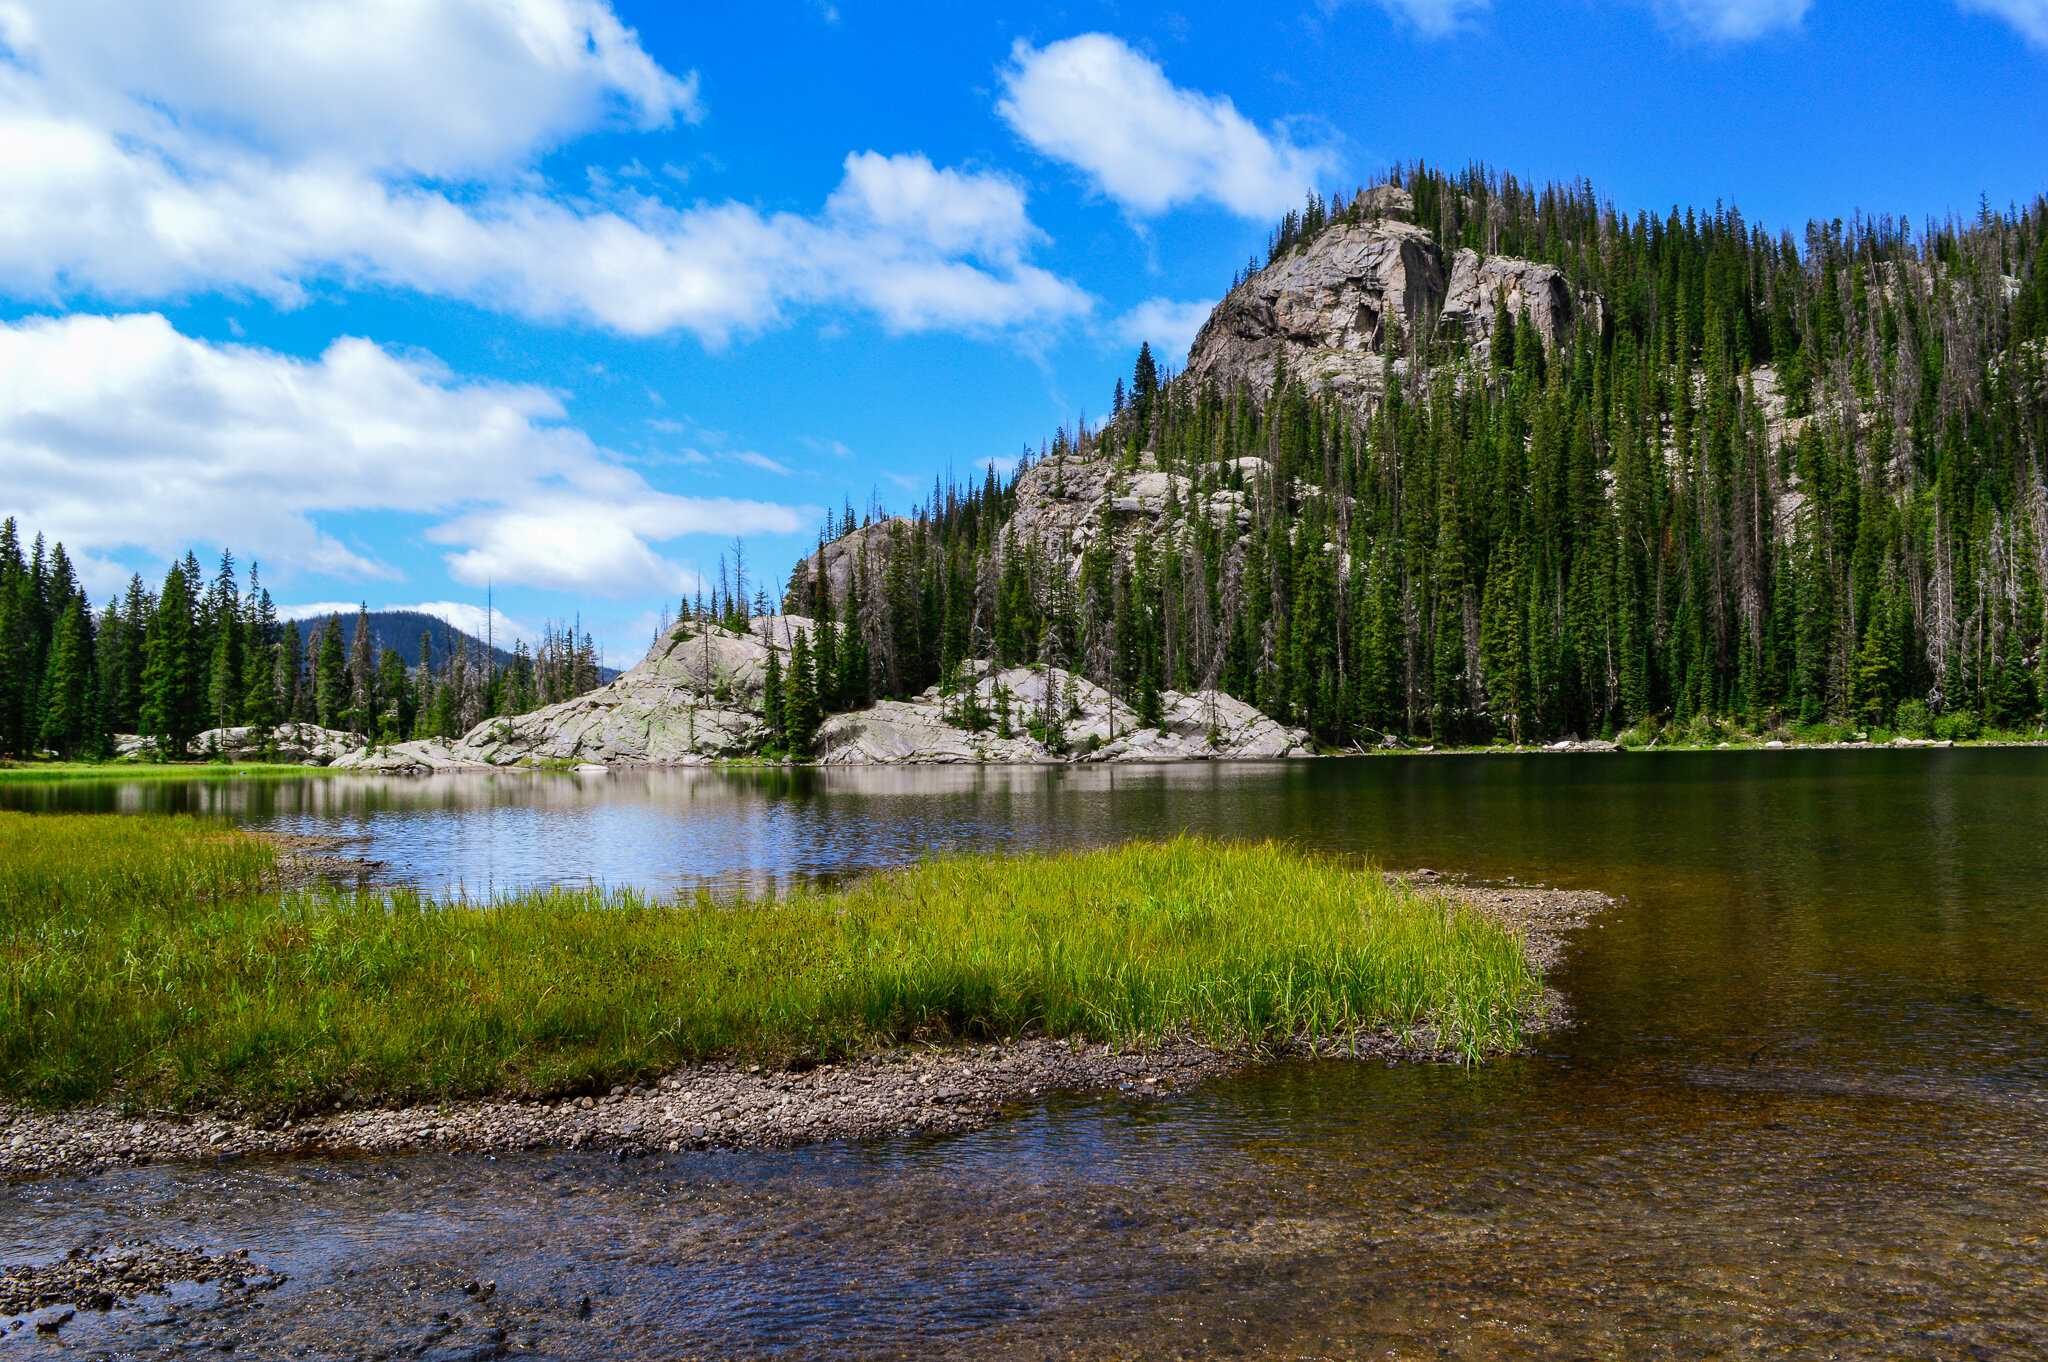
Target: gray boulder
x,y
308,744
1092,725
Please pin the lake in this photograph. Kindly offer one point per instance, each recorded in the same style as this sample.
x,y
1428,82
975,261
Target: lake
x,y
1800,1111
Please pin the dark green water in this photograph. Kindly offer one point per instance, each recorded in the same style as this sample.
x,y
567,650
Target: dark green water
x,y
1802,1112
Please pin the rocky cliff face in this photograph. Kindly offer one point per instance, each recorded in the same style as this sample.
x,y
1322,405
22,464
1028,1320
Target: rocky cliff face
x,y
840,559
1065,503
1327,308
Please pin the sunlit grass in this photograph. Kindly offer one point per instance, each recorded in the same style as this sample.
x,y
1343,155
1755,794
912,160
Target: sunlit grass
x,y
142,955
30,772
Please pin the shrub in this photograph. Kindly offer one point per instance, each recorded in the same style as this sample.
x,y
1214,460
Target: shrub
x,y
1958,725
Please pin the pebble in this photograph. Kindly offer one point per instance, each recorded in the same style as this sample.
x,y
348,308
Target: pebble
x,y
715,1105
98,1278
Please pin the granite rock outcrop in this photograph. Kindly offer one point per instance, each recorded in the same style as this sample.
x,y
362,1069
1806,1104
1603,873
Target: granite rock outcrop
x,y
1330,307
1046,714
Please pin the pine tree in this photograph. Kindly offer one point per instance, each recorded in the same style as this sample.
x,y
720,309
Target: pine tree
x,y
772,696
330,675
220,618
1144,389
223,704
16,644
800,711
1877,666
68,712
394,691
361,707
853,690
173,704
261,707
1504,638
290,668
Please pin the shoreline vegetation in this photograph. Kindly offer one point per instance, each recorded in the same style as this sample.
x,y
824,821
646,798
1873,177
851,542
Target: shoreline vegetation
x,y
163,974
1693,737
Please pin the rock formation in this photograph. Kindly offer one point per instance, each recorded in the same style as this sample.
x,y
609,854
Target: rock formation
x,y
1326,307
696,698
305,744
841,558
1087,724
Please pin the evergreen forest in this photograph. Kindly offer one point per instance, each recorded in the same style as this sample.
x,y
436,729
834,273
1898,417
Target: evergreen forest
x,y
1770,485
200,654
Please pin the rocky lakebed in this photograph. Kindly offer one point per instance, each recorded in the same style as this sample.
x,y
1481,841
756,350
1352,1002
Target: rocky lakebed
x,y
909,1091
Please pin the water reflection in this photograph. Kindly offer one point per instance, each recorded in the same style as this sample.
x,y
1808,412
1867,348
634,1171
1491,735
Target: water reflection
x,y
1800,1113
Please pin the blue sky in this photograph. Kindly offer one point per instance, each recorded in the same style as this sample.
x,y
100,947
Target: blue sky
x,y
404,297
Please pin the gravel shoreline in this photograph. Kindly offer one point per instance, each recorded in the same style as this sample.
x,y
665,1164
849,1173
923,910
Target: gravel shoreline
x,y
100,1278
719,1105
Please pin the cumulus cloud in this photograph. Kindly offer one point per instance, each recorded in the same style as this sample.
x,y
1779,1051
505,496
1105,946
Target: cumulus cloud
x,y
1734,21
1169,326
1094,103
394,143
2028,17
119,433
438,87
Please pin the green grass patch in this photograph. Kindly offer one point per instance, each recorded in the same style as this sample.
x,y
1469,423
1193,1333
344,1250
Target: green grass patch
x,y
142,956
12,772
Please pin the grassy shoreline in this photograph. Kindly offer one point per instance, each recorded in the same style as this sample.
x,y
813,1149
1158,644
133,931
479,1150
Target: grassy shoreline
x,y
1667,741
155,770
152,958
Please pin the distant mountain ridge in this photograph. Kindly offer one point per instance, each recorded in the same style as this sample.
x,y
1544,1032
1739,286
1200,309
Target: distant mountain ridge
x,y
401,630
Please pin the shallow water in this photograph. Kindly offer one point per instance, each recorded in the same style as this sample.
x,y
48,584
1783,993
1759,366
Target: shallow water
x,y
1801,1112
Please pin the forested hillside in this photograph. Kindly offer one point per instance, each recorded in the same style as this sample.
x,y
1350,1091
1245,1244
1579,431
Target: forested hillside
x,y
1544,469
200,654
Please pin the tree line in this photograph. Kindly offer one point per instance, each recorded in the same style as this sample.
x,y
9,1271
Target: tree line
x,y
1768,482
199,654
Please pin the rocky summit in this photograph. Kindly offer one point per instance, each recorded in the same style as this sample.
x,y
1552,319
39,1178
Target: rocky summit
x,y
1330,308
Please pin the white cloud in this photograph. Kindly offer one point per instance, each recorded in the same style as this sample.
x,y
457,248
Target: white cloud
x,y
438,87
2029,17
394,144
1169,326
471,619
1734,21
1436,18
1094,103
317,609
119,433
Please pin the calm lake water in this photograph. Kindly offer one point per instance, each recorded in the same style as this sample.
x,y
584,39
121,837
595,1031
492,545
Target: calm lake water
x,y
1803,1110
